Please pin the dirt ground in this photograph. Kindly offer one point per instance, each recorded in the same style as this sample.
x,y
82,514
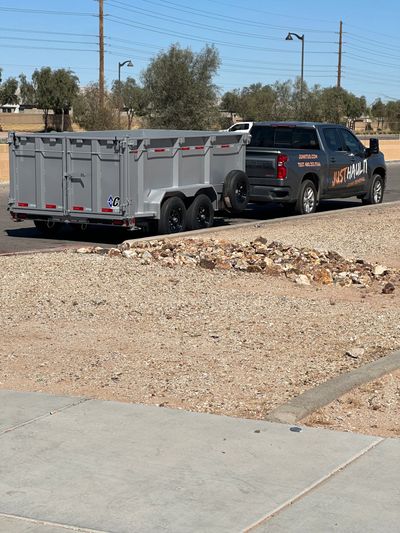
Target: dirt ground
x,y
373,408
227,342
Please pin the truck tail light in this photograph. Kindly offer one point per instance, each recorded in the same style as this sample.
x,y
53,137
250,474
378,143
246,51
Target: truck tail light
x,y
282,170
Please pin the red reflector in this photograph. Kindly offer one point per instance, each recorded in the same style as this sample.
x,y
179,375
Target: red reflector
x,y
159,149
225,145
77,208
51,206
282,170
199,147
118,222
22,204
185,148
106,210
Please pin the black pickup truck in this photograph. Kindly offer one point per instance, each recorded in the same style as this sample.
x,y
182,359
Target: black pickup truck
x,y
300,163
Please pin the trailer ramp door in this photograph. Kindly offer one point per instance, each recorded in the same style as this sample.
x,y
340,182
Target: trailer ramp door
x,y
94,177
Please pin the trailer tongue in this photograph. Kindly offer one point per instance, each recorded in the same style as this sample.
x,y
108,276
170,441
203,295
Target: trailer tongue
x,y
174,179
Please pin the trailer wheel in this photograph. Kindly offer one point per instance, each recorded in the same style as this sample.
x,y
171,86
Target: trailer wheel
x,y
236,191
173,216
200,214
47,227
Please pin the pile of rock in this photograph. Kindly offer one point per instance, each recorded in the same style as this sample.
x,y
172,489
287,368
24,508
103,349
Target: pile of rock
x,y
302,265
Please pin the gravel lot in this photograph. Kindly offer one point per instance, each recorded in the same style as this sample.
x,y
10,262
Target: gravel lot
x,y
228,342
373,408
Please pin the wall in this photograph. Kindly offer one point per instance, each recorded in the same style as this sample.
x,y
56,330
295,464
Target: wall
x,y
4,170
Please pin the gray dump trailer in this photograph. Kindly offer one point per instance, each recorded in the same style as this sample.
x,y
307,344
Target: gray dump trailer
x,y
170,180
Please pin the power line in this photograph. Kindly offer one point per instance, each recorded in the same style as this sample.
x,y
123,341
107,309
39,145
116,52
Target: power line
x,y
46,12
28,30
218,29
226,17
35,39
156,29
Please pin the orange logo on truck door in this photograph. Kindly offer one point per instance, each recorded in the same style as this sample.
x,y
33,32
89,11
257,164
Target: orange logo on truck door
x,y
350,175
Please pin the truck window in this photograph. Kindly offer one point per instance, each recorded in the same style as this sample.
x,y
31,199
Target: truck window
x,y
352,144
262,136
284,137
240,126
332,139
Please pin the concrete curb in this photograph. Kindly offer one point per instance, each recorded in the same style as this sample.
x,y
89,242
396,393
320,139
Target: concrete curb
x,y
311,400
260,223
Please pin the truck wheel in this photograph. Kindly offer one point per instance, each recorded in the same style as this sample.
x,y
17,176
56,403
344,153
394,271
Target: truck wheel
x,y
200,214
47,227
375,195
307,200
236,191
173,216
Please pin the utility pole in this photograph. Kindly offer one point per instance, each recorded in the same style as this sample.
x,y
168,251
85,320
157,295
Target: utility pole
x,y
101,49
339,68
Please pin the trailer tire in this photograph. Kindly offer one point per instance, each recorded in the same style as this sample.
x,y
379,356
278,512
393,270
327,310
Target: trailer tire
x,y
172,216
47,227
236,191
200,214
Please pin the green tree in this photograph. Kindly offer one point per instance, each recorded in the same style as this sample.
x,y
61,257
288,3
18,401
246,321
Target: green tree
x,y
26,91
180,89
393,115
8,92
54,90
378,111
89,115
42,81
231,102
129,96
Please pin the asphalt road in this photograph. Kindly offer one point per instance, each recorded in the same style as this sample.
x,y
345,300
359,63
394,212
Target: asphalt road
x,y
23,236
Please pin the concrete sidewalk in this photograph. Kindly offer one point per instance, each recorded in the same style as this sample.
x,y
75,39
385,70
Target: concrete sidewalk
x,y
69,464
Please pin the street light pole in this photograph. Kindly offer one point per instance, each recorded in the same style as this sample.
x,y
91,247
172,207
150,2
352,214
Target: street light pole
x,y
289,37
128,63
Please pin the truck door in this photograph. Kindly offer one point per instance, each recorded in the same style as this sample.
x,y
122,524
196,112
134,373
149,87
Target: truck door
x,y
339,162
357,173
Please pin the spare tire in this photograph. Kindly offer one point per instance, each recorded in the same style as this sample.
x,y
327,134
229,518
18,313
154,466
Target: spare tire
x,y
236,191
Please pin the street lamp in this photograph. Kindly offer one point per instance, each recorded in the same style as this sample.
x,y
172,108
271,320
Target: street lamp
x,y
128,63
289,37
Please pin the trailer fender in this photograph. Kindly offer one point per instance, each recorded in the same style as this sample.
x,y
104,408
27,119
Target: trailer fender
x,y
156,197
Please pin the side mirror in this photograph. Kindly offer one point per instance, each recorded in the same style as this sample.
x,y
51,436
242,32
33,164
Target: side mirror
x,y
374,145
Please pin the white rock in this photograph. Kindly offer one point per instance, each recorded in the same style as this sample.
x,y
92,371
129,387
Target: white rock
x,y
379,270
129,254
302,279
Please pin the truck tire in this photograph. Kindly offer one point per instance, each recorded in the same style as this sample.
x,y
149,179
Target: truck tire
x,y
47,227
236,191
307,199
172,216
375,194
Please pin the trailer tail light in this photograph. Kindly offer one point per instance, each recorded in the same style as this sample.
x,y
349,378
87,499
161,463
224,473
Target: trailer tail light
x,y
106,210
118,222
282,170
23,204
77,208
51,206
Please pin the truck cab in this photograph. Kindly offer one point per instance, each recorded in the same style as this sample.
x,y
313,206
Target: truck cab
x,y
299,163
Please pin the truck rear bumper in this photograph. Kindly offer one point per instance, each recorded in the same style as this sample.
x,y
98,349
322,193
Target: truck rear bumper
x,y
265,193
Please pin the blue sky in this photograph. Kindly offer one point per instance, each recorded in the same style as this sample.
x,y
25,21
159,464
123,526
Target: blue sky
x,y
250,37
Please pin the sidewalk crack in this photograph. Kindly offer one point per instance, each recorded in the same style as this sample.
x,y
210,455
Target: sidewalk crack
x,y
313,486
